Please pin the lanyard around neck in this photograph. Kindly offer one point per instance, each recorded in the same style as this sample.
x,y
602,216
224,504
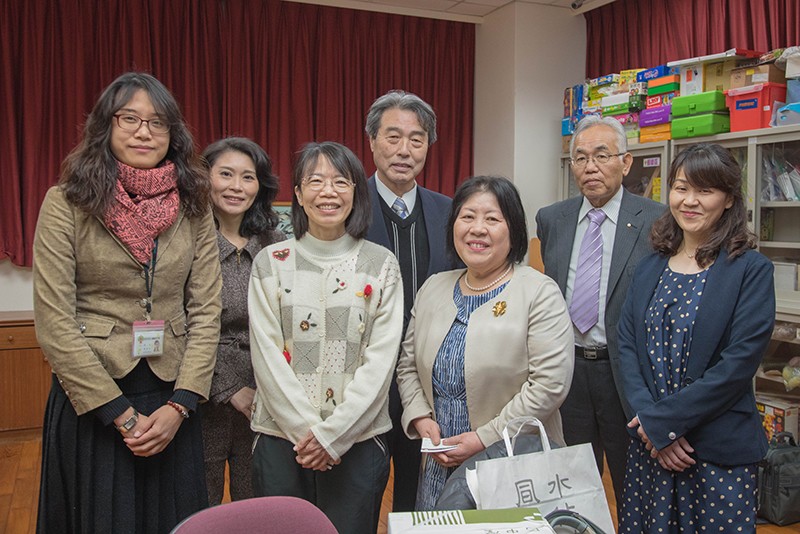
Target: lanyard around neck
x,y
149,275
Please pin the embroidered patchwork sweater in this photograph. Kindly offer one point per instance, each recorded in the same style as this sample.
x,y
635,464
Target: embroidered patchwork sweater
x,y
325,325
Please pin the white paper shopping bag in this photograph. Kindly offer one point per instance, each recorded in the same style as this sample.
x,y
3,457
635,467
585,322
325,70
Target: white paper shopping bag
x,y
554,479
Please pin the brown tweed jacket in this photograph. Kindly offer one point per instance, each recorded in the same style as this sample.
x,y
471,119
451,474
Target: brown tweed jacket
x,y
88,291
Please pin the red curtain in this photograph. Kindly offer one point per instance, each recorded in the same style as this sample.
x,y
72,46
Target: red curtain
x,y
644,33
281,73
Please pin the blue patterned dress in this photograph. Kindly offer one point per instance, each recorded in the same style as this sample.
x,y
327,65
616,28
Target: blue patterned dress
x,y
450,392
705,497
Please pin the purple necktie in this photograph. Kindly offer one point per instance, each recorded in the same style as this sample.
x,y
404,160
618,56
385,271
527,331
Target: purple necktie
x,y
584,308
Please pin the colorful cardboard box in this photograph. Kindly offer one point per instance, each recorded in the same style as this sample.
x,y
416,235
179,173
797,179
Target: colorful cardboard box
x,y
661,100
628,75
604,80
637,88
656,82
614,100
573,100
655,72
567,126
654,116
651,134
616,110
665,88
778,415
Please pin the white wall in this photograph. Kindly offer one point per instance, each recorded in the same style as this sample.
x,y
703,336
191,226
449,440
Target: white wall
x,y
526,54
16,287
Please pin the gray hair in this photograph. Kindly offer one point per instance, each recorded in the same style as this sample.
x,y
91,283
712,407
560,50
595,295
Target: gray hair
x,y
405,101
590,121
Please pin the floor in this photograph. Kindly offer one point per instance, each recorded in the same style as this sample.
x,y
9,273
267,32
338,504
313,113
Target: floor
x,y
20,458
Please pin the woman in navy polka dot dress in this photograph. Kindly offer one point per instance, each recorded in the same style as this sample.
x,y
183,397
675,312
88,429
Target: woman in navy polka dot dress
x,y
693,330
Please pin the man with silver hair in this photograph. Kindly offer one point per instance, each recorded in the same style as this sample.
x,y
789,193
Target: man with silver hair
x,y
411,221
590,246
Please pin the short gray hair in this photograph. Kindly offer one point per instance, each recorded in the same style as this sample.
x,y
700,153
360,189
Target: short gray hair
x,y
405,101
590,121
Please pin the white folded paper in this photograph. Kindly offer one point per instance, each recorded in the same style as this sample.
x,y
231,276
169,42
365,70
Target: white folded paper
x,y
428,446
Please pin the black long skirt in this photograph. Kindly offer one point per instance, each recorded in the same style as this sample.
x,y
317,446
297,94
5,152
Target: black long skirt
x,y
92,483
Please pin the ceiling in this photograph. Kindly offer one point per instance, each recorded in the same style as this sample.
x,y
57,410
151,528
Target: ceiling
x,y
460,10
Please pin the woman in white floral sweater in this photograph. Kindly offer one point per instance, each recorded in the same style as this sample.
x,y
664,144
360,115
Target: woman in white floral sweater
x,y
326,314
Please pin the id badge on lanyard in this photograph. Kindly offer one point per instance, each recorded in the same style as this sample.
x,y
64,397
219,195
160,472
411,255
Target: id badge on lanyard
x,y
148,335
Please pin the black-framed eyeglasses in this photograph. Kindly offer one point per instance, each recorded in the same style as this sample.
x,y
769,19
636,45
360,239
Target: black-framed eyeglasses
x,y
131,123
340,184
599,159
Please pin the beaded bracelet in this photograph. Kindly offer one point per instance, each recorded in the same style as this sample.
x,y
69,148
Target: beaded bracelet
x,y
179,409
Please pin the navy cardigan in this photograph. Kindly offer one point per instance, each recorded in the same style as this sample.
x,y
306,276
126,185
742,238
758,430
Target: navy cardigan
x,y
715,409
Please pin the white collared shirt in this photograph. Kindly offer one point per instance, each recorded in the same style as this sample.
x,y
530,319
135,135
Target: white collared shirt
x,y
410,198
596,335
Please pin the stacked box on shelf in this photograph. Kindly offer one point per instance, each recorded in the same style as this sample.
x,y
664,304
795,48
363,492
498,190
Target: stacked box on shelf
x,y
651,134
709,73
699,114
751,106
654,119
755,74
655,72
778,414
717,75
628,76
630,123
660,100
613,98
573,108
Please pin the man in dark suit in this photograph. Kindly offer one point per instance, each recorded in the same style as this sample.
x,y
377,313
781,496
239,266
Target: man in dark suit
x,y
592,243
410,221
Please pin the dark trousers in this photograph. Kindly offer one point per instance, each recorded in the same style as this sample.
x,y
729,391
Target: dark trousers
x,y
592,413
350,494
405,457
227,438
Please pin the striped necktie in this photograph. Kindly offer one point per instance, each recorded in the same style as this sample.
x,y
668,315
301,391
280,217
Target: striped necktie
x,y
584,308
399,207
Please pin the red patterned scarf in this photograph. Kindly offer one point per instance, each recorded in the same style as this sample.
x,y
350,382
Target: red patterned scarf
x,y
146,204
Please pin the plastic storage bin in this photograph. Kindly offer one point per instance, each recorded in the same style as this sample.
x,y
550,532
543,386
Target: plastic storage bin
x,y
751,106
700,103
699,125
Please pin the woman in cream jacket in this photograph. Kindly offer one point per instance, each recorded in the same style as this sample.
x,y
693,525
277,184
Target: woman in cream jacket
x,y
485,344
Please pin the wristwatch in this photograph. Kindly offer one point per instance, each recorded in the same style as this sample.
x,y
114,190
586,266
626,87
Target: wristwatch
x,y
130,422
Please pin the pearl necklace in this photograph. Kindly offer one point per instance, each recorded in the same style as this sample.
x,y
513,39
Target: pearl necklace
x,y
690,256
484,288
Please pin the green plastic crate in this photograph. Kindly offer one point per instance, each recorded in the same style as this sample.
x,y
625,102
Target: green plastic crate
x,y
700,125
707,102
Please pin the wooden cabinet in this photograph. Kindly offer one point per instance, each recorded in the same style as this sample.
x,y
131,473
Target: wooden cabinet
x,y
25,375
